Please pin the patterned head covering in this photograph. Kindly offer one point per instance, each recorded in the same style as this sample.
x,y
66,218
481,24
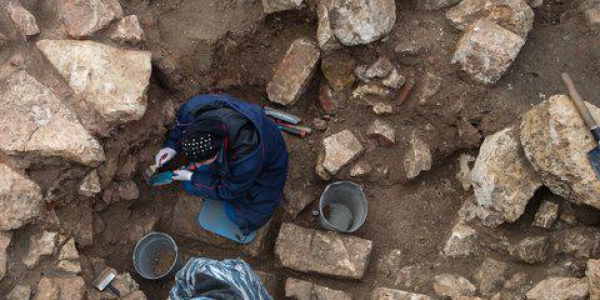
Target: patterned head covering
x,y
203,139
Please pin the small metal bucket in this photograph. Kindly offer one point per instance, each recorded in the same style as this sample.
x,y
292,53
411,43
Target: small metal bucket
x,y
346,205
146,251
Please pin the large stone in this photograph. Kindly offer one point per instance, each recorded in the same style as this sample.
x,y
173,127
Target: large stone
x,y
486,51
306,290
418,157
580,242
383,132
546,215
20,199
69,251
338,69
23,20
40,246
128,30
462,242
453,286
294,72
85,17
531,250
19,292
389,294
435,4
560,288
593,275
556,142
340,149
36,121
357,22
325,36
272,6
308,250
503,179
514,15
490,276
60,287
5,238
113,81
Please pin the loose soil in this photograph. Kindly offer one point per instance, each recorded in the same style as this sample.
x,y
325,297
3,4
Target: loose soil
x,y
163,262
228,46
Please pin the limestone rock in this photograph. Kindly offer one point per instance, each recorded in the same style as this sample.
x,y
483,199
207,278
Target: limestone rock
x,y
338,69
417,158
580,242
462,242
380,108
381,68
64,287
593,276
305,290
453,286
113,81
464,174
385,134
592,16
272,6
362,168
327,253
5,238
325,36
556,142
36,121
20,199
514,15
40,246
389,294
357,22
435,4
503,179
370,90
85,17
546,215
340,149
394,80
23,20
486,51
293,73
69,251
72,267
19,292
532,249
560,288
490,276
128,30
90,186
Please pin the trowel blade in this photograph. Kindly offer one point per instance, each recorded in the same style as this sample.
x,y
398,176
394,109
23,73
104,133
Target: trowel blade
x,y
161,178
594,157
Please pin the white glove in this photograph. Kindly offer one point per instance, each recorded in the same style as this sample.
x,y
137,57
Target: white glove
x,y
183,175
164,155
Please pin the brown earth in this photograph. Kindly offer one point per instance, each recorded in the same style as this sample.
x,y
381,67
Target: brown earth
x,y
414,217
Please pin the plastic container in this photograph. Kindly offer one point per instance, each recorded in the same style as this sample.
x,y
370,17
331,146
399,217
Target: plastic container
x,y
343,207
147,250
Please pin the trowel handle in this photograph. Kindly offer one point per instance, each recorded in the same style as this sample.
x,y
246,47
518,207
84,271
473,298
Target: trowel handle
x,y
113,290
583,110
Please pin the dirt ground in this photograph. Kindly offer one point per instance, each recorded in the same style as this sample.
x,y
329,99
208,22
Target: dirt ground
x,y
229,46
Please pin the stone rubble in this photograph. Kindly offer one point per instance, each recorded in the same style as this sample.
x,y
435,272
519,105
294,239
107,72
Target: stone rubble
x,y
503,179
462,242
5,239
305,290
394,80
90,186
532,250
429,87
381,109
112,81
294,72
128,191
40,245
327,253
486,51
435,4
418,157
383,132
514,15
546,215
20,199
63,287
325,36
360,169
370,90
464,174
36,121
19,292
23,20
490,276
556,142
592,273
579,242
338,69
341,149
390,294
69,251
85,17
273,6
128,30
453,286
557,288
360,22
296,200
380,69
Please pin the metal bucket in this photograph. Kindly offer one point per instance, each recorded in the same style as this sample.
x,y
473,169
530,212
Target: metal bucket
x,y
343,207
146,251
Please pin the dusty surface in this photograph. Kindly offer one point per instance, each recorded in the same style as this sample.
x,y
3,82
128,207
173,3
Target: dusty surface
x,y
230,46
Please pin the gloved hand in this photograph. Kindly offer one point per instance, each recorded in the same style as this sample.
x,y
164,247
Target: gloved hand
x,y
164,155
183,175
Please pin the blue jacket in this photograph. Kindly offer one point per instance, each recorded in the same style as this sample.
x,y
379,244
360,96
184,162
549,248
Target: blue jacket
x,y
253,183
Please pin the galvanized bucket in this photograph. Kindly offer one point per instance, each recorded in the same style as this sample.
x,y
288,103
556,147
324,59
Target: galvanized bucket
x,y
343,207
147,250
